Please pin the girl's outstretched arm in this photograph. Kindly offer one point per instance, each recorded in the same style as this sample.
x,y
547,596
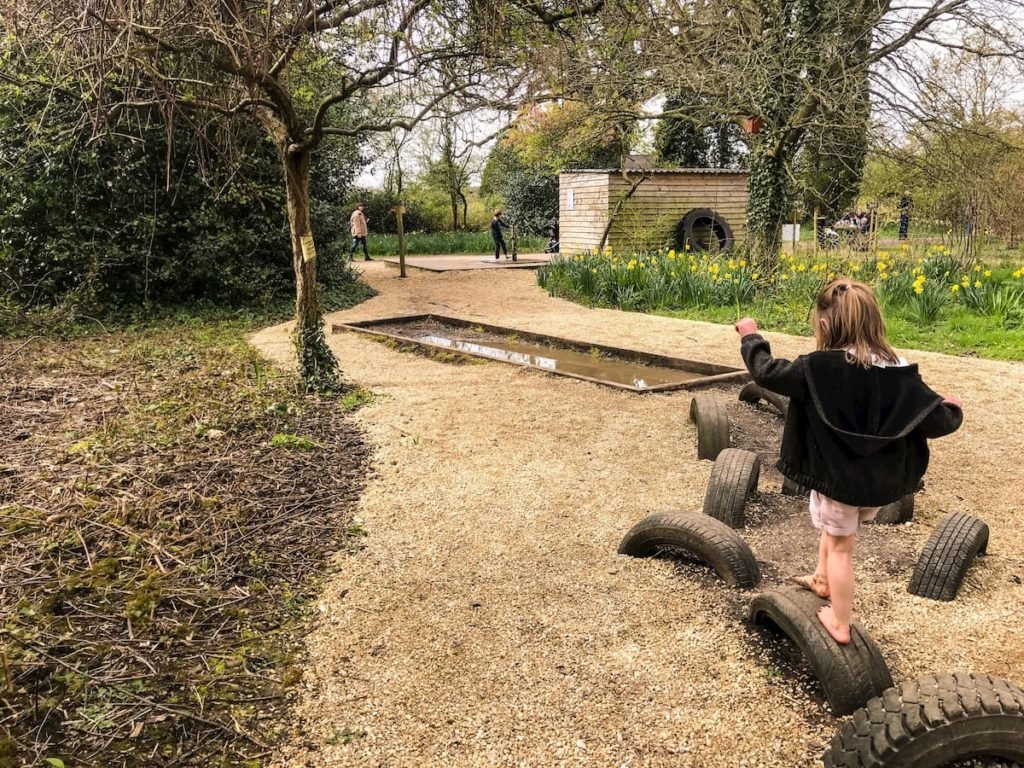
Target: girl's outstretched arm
x,y
776,374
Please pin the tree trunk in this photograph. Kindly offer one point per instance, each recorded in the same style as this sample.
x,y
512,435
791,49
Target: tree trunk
x,y
768,203
465,210
454,200
318,368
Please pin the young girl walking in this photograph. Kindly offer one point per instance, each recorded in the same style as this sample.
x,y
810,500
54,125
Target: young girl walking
x,y
857,431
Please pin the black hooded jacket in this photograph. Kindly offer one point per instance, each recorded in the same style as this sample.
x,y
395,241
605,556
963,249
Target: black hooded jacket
x,y
857,435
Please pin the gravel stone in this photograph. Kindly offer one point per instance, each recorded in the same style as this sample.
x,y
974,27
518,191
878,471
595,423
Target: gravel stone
x,y
512,488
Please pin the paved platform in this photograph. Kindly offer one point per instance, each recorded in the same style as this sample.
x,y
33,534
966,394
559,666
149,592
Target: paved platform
x,y
473,261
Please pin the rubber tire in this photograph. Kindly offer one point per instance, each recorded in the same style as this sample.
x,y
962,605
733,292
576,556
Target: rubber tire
x,y
850,674
712,421
733,478
898,512
685,231
947,555
713,542
753,394
793,488
933,721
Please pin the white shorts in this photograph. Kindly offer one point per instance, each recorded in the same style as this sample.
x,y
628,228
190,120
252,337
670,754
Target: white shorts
x,y
836,518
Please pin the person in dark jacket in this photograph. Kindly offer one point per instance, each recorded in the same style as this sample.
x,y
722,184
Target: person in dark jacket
x,y
905,206
857,430
499,239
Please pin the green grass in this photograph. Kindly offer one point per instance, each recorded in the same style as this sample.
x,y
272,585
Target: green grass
x,y
443,243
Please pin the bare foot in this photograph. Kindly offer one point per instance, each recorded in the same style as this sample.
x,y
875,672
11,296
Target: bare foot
x,y
814,583
840,633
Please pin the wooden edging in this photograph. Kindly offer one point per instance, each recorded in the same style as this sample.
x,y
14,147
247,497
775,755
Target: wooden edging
x,y
713,374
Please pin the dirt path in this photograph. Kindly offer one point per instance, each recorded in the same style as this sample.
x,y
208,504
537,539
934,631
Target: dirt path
x,y
489,621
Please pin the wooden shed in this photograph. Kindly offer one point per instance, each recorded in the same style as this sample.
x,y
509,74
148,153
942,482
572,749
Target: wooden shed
x,y
702,207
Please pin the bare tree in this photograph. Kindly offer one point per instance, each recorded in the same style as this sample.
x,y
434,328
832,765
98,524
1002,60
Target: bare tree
x,y
799,66
359,60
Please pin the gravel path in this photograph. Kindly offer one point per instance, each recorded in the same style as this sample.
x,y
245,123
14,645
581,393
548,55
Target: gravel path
x,y
488,621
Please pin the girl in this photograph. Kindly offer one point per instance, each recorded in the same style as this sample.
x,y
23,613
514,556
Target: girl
x,y
856,434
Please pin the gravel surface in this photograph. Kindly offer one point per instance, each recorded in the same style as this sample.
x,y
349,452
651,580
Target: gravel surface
x,y
489,620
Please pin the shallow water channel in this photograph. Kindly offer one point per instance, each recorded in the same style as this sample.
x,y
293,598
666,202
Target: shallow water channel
x,y
591,366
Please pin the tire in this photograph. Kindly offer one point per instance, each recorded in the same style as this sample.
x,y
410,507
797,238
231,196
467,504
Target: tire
x,y
703,229
947,555
733,478
712,421
933,721
713,542
850,674
898,512
793,488
753,394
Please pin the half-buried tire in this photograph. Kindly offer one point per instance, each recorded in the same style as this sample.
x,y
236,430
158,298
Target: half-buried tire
x,y
713,542
793,488
850,674
712,421
947,555
733,478
898,512
753,394
934,721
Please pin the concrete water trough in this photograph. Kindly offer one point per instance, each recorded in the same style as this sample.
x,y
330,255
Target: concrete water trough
x,y
627,369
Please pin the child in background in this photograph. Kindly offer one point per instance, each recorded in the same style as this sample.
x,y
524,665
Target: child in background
x,y
857,431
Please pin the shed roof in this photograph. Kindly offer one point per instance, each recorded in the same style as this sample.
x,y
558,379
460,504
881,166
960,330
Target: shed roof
x,y
709,171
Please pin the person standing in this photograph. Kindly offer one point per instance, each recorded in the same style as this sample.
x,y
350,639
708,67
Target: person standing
x,y
905,206
358,225
857,431
499,238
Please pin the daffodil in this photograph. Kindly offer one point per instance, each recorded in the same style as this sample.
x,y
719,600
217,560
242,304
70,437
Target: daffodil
x,y
954,288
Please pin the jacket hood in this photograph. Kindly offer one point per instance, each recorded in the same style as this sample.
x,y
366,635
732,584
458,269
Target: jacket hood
x,y
867,408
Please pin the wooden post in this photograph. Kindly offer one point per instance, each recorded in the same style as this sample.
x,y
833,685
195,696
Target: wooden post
x,y
515,243
793,233
874,230
401,239
816,212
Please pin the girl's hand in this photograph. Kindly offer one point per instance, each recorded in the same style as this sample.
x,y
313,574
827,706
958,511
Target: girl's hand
x,y
746,326
953,401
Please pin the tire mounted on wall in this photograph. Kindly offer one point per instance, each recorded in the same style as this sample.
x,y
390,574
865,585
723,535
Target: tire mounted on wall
x,y
702,230
712,421
713,542
933,721
947,555
733,478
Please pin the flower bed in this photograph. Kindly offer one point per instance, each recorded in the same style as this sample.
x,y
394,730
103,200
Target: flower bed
x,y
918,289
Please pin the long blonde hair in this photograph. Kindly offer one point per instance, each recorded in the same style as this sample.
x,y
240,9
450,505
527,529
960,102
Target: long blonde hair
x,y
847,316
